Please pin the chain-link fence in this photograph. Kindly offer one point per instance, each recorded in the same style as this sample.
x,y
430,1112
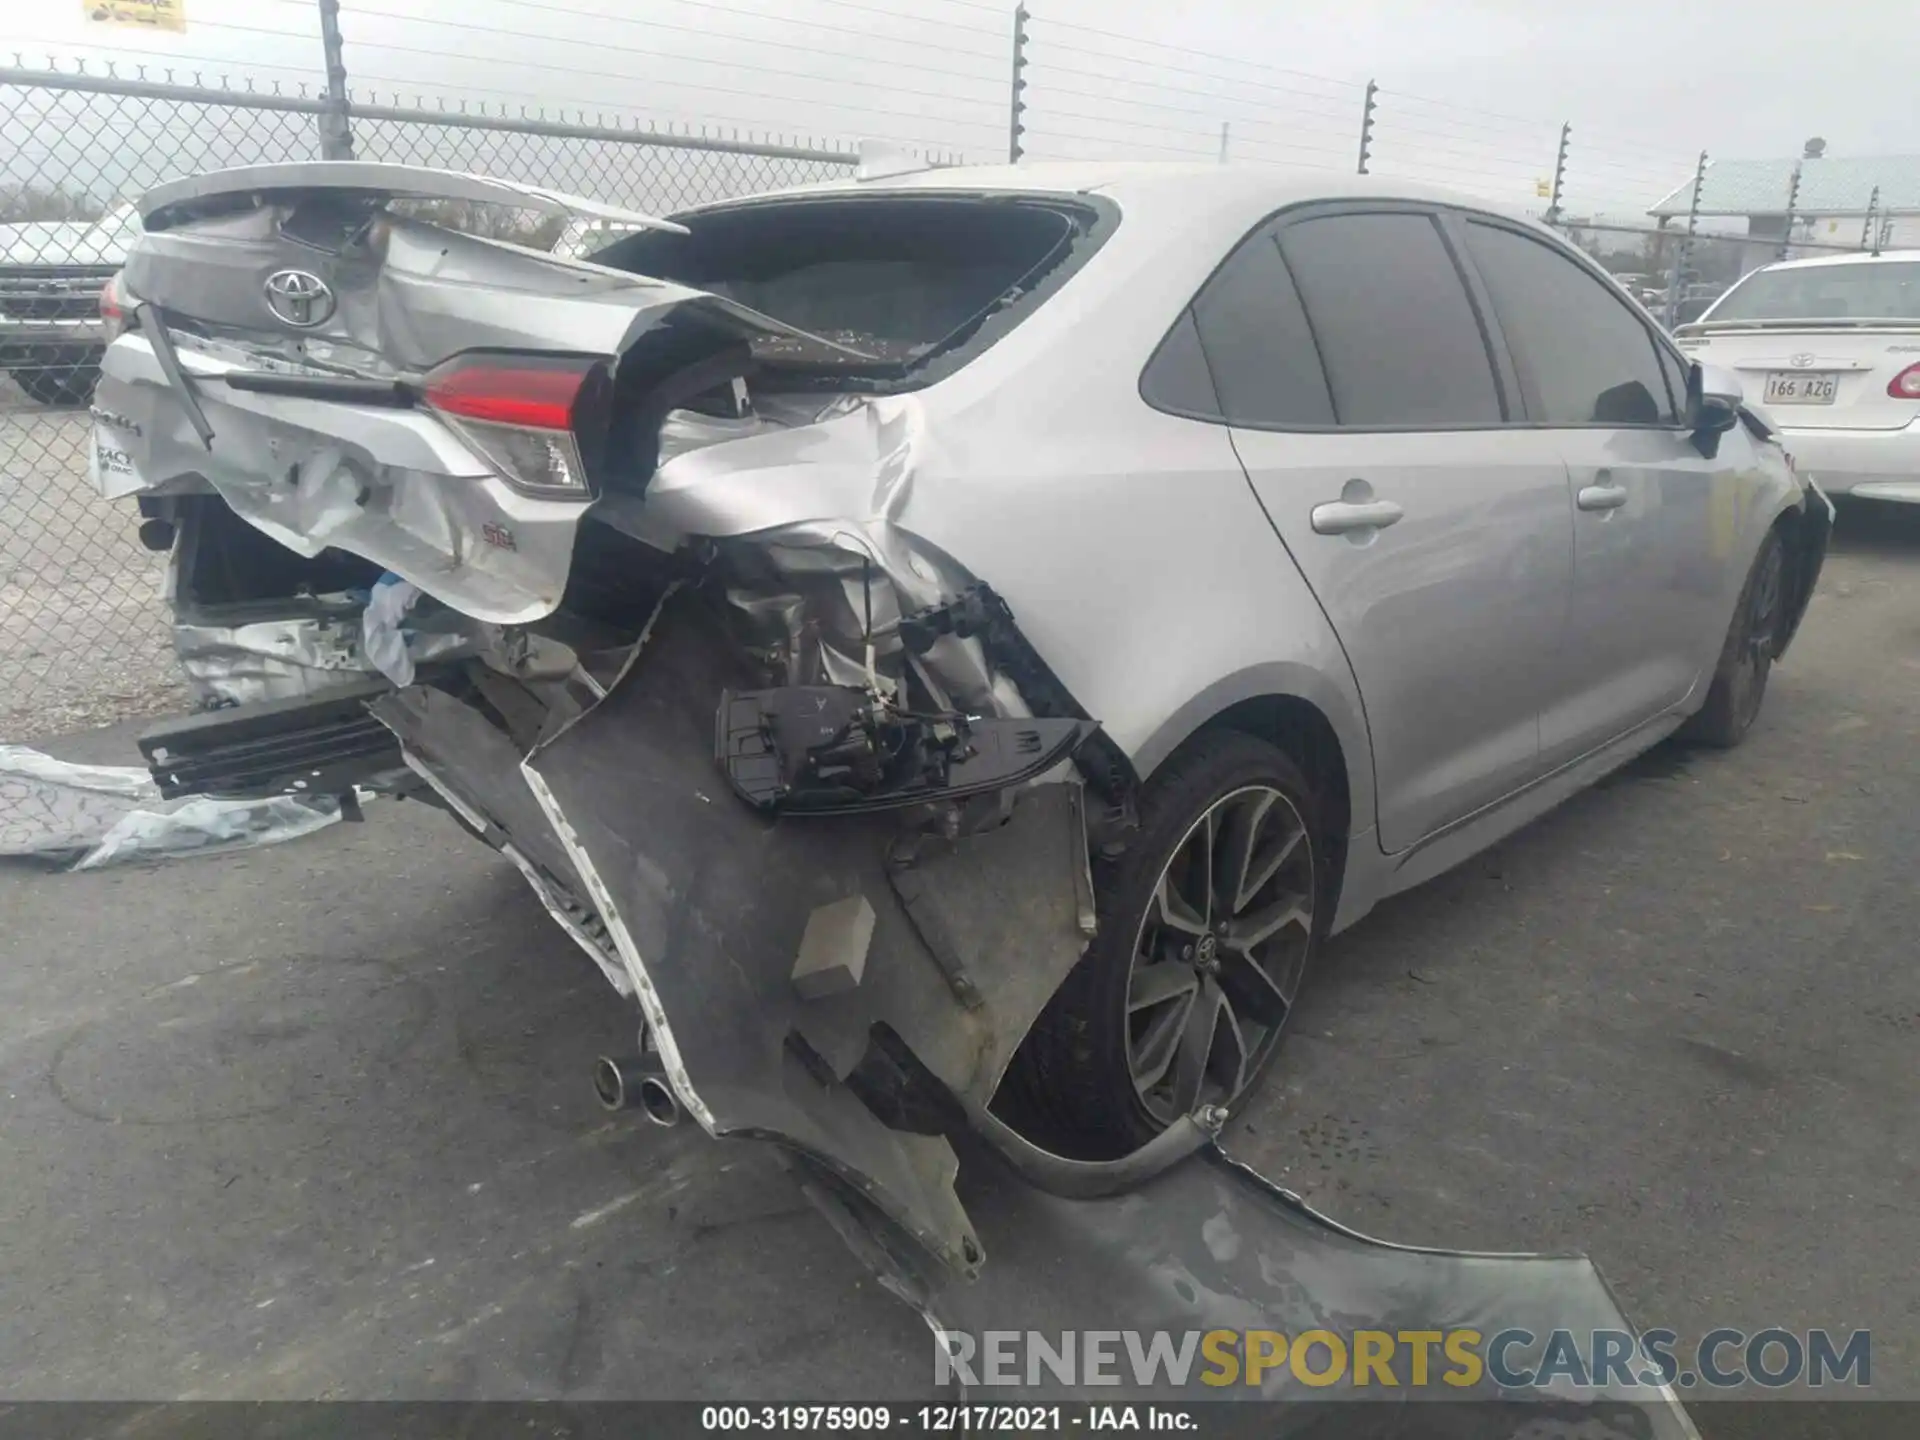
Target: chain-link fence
x,y
84,630
84,634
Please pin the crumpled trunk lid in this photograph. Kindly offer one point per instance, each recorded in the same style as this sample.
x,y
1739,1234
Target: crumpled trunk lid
x,y
286,318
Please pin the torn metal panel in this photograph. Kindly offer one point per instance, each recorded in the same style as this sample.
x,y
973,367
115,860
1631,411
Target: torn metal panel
x,y
307,654
89,816
707,902
1209,1244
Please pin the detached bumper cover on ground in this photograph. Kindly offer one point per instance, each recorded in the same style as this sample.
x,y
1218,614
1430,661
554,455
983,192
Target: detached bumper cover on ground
x,y
695,903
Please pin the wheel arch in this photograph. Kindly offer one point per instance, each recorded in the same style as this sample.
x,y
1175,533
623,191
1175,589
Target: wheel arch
x,y
1804,530
1301,712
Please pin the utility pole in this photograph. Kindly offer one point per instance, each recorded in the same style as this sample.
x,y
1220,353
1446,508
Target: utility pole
x,y
1678,283
1223,142
1016,127
1366,126
1866,230
1793,204
1559,175
336,135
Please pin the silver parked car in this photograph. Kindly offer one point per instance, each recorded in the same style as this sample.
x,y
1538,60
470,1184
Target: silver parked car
x,y
950,646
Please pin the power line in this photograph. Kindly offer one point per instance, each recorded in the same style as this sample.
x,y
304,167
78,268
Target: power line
x,y
761,16
145,60
1041,116
1465,130
868,10
1214,110
551,9
1186,50
629,78
1186,70
667,55
544,102
1136,145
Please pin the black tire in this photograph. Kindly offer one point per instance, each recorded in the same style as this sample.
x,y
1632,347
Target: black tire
x,y
1073,1084
62,387
1746,659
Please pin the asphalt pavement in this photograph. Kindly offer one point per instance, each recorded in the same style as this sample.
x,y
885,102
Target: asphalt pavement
x,y
316,1122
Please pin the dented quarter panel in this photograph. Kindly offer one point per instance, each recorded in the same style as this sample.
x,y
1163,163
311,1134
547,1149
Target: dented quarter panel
x,y
395,486
1038,474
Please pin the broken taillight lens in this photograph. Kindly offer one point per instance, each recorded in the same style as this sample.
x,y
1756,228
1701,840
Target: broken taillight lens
x,y
115,308
540,419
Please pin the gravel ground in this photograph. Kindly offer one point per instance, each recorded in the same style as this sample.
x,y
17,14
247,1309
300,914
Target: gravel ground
x,y
315,1121
83,633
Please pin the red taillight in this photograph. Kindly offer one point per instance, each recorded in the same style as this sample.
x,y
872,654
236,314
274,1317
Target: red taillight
x,y
1906,385
113,307
542,397
541,419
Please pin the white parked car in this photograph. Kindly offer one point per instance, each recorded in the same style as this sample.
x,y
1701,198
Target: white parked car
x,y
1831,348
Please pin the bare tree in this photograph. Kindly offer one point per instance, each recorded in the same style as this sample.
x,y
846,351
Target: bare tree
x,y
24,204
494,222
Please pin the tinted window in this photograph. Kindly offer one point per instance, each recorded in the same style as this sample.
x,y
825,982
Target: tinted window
x,y
1590,360
1396,332
1258,343
1177,378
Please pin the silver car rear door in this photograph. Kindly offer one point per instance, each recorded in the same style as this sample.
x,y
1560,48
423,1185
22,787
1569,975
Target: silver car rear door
x,y
1369,416
1655,523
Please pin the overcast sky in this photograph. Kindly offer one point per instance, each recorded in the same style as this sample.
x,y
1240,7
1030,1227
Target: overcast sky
x,y
1472,91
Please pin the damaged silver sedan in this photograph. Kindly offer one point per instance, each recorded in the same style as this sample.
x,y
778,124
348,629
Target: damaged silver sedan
x,y
950,645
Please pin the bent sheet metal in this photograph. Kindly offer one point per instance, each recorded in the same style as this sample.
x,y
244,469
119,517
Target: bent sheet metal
x,y
695,904
1208,1244
622,813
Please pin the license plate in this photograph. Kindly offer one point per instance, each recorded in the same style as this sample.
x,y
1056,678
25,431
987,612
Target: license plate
x,y
1801,387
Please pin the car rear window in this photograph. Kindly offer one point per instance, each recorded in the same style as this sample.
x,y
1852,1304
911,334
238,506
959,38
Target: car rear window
x,y
1887,290
905,280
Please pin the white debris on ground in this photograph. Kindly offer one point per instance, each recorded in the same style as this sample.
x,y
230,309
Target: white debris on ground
x,y
83,817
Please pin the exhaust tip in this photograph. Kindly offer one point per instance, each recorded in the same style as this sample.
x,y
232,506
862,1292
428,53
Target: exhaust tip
x,y
659,1101
608,1083
634,1082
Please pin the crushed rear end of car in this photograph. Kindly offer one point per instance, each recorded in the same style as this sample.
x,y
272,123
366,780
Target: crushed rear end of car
x,y
620,558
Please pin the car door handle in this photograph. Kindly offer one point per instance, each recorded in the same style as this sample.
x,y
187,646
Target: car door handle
x,y
1601,497
1342,516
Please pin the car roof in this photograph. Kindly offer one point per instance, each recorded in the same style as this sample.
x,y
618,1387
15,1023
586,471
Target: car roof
x,y
1188,190
1885,257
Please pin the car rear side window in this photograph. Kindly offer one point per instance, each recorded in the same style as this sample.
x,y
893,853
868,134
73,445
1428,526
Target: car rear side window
x,y
1397,334
1258,344
1584,356
1176,379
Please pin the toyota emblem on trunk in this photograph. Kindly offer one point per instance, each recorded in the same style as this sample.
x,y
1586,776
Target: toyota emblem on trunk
x,y
299,298
1800,361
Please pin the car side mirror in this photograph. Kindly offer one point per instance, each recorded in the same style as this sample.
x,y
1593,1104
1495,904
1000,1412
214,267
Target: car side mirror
x,y
1714,398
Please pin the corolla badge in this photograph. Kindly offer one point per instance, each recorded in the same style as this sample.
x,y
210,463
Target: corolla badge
x,y
299,298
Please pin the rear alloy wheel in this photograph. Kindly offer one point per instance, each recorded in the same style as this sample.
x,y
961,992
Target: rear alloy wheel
x,y
1207,925
1740,680
1219,954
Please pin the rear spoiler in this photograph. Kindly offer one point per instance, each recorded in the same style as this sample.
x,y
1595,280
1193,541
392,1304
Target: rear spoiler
x,y
179,200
